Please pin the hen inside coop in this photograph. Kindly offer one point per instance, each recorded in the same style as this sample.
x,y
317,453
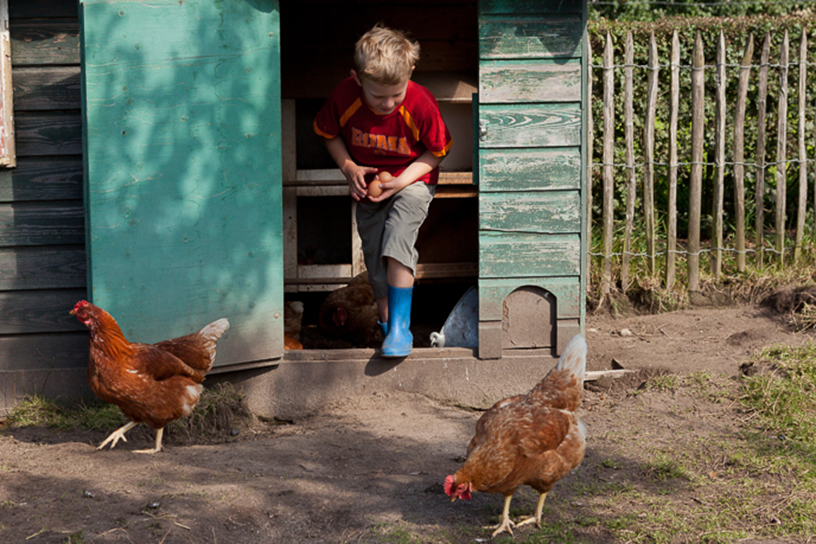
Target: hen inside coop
x,y
323,259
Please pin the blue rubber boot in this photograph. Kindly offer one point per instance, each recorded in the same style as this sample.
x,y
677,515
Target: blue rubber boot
x,y
383,327
399,341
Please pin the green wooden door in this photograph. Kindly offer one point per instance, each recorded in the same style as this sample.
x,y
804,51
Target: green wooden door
x,y
182,153
531,127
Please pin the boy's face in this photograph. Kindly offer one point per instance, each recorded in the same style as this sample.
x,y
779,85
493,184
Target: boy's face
x,y
383,99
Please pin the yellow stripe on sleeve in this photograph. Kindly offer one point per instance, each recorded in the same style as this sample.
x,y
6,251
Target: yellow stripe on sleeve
x,y
350,111
406,116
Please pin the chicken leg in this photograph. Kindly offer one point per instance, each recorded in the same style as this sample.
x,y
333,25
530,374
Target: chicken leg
x,y
157,447
118,434
537,518
506,524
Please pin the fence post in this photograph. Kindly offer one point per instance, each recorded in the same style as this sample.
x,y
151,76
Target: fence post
x,y
629,137
671,242
781,150
696,181
649,144
759,190
739,150
590,136
609,159
719,160
802,202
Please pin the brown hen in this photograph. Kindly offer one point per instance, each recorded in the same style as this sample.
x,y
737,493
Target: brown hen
x,y
151,383
350,313
533,439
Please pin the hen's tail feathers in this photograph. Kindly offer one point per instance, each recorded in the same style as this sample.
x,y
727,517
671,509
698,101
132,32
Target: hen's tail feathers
x,y
214,330
574,358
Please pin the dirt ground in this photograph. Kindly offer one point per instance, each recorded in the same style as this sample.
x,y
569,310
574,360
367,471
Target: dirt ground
x,y
370,469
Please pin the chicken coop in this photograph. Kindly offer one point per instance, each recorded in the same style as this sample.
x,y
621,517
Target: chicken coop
x,y
167,170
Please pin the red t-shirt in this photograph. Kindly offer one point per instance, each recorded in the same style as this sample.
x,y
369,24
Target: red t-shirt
x,y
392,141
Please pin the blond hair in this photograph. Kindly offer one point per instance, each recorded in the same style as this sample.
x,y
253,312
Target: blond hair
x,y
385,56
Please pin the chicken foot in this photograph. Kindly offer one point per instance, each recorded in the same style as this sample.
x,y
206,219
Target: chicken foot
x,y
117,435
537,518
157,448
506,524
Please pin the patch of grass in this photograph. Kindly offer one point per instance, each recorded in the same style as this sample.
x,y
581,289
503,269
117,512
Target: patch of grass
x,y
783,400
75,538
221,408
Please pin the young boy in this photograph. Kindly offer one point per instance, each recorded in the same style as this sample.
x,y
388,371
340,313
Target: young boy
x,y
377,121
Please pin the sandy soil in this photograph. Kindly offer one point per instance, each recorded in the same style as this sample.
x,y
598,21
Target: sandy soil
x,y
369,469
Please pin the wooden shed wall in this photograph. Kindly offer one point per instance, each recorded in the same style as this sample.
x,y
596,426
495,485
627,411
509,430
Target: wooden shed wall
x,y
42,233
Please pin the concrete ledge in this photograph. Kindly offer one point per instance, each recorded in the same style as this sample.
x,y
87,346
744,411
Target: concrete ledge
x,y
305,381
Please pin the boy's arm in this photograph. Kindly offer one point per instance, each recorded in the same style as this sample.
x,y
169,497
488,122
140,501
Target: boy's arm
x,y
354,174
421,166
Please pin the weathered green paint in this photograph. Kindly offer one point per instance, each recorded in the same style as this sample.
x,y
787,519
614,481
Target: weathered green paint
x,y
492,293
541,212
183,169
529,169
520,82
530,7
527,125
521,255
520,39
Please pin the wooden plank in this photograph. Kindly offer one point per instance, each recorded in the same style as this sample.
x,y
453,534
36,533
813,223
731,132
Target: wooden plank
x,y
48,133
530,169
42,268
674,108
497,7
30,312
719,162
739,151
47,88
542,212
503,255
47,178
759,189
524,39
648,151
629,140
8,154
803,169
20,9
449,86
44,351
492,293
542,125
781,150
429,271
42,223
518,82
43,42
696,182
183,168
608,168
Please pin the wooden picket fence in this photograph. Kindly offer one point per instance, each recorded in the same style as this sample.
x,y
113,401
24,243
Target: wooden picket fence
x,y
692,247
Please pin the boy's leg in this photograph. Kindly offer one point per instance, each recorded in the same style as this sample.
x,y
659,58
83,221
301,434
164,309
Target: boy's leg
x,y
406,215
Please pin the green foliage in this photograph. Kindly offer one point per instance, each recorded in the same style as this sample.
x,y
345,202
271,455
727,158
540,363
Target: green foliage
x,y
646,10
736,31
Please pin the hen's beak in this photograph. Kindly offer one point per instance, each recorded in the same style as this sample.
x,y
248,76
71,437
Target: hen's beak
x,y
453,498
72,312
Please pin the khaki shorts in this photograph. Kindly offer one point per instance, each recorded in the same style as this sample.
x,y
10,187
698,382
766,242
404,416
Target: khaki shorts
x,y
390,229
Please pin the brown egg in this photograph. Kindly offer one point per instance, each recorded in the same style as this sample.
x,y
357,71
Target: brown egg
x,y
374,188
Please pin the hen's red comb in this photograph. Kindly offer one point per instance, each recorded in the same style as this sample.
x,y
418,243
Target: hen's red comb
x,y
449,488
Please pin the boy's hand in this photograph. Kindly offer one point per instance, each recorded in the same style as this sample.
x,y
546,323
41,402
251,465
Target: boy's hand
x,y
355,175
389,188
